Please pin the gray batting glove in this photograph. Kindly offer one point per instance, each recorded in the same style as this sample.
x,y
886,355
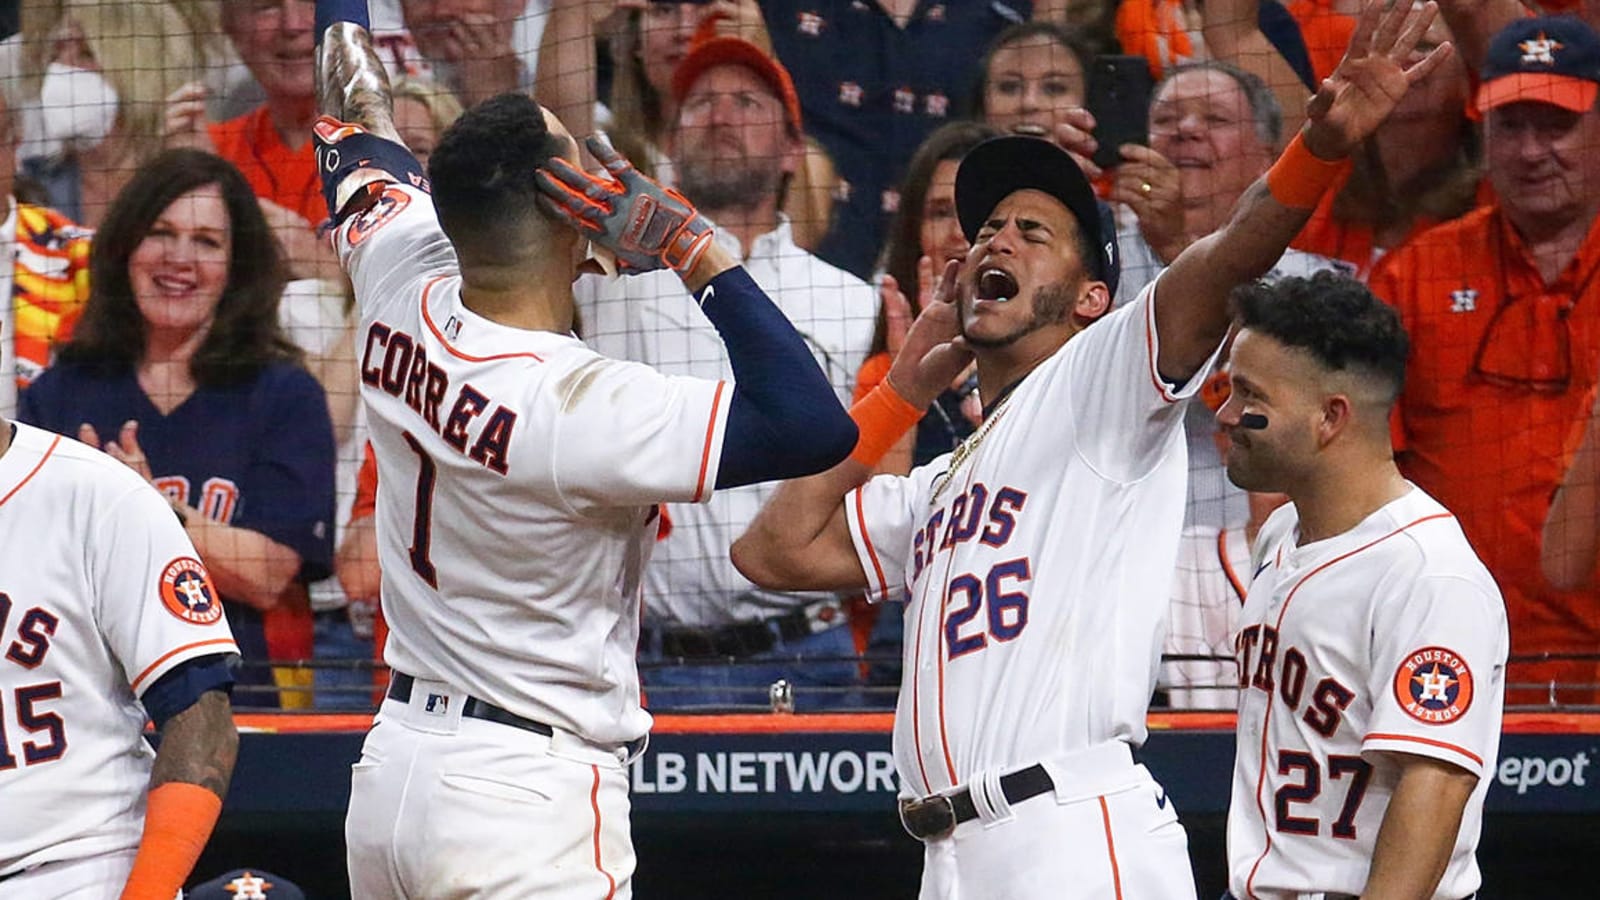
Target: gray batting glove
x,y
646,226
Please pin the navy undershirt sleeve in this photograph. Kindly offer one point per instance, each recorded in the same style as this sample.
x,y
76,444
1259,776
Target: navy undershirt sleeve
x,y
784,420
181,687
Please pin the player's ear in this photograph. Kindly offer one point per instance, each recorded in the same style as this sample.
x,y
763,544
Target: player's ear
x,y
1337,413
1094,299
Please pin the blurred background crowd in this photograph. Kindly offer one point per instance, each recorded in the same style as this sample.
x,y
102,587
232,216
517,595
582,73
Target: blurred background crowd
x,y
173,301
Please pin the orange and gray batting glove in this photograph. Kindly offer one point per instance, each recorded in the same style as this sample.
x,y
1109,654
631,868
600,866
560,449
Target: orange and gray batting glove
x,y
646,226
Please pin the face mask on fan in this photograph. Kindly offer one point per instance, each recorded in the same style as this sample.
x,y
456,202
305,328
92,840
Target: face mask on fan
x,y
79,108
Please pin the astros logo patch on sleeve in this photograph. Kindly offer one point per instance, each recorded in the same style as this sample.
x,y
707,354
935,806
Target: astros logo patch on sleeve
x,y
391,203
1433,685
187,592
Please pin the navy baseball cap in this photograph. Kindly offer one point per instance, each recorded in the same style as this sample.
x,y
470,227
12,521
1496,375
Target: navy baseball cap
x,y
1001,166
246,884
1548,59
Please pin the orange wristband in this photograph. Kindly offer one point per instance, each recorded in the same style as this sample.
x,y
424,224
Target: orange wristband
x,y
178,819
882,417
1299,178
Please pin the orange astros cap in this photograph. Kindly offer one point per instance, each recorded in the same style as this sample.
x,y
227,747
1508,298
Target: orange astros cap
x,y
1548,59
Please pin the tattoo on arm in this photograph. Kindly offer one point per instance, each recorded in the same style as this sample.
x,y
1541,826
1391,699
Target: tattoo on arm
x,y
352,85
199,746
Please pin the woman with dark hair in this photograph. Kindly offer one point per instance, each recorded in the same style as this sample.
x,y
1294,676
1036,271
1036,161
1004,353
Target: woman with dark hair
x,y
180,369
1032,75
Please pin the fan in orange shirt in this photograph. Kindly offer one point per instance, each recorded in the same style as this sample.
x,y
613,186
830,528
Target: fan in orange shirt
x,y
1503,309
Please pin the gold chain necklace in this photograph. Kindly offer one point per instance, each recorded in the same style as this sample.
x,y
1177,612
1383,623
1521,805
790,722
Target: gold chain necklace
x,y
969,446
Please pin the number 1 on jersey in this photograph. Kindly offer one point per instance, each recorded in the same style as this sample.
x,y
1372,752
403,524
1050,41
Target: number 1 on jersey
x,y
422,525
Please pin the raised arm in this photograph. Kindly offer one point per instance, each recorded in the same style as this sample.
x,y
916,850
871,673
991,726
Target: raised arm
x,y
352,88
1192,296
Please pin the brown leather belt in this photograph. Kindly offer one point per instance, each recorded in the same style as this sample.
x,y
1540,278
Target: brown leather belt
x,y
938,815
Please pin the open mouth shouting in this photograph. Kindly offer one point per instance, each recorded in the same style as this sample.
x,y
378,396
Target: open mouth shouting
x,y
995,283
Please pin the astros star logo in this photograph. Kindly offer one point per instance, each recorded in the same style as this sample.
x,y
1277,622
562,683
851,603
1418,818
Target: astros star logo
x,y
187,592
1541,50
1433,685
249,887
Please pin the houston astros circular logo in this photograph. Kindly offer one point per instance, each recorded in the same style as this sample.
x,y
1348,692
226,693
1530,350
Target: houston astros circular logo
x,y
1433,685
187,592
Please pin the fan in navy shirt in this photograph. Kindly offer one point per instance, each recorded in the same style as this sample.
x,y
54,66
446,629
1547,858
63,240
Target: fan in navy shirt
x,y
178,368
872,89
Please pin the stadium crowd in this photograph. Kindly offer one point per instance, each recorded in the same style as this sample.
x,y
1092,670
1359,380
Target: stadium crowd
x,y
163,147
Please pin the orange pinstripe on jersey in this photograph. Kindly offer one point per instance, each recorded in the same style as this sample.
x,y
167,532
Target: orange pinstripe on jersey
x,y
428,320
1111,847
1161,387
174,652
33,471
877,568
711,431
1384,736
594,804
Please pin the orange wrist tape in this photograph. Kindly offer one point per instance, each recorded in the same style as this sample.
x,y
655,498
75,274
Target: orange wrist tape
x,y
1299,178
178,820
882,417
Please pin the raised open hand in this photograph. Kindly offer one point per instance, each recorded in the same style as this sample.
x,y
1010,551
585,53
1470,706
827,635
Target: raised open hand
x,y
1369,82
933,353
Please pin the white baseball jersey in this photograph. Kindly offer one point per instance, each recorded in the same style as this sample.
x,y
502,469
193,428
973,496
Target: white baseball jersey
x,y
652,318
518,476
1037,560
1389,637
101,594
1207,596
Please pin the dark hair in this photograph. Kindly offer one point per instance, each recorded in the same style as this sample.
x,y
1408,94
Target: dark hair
x,y
948,143
483,170
1264,107
1332,317
245,335
1073,40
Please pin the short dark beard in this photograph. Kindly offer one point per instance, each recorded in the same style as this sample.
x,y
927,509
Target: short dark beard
x,y
1052,304
726,184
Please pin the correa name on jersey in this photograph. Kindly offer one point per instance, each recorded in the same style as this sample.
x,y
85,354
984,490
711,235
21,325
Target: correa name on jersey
x,y
404,372
1260,668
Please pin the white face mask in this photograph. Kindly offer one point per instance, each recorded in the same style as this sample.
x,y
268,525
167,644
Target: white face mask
x,y
79,108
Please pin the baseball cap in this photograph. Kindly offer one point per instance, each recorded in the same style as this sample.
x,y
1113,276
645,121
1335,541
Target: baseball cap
x,y
246,884
710,50
1548,59
1001,166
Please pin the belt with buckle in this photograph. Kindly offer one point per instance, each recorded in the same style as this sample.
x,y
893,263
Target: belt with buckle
x,y
741,639
938,815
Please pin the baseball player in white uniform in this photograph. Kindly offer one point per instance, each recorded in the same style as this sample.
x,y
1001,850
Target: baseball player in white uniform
x,y
1373,642
520,475
1037,557
106,616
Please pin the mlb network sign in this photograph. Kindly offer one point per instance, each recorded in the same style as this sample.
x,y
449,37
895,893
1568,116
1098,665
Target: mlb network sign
x,y
818,772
